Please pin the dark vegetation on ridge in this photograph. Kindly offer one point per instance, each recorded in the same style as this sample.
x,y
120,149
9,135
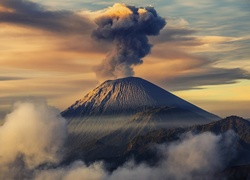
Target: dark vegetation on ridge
x,y
141,147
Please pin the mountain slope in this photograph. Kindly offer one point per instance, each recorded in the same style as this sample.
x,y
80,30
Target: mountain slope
x,y
110,149
239,125
128,96
117,111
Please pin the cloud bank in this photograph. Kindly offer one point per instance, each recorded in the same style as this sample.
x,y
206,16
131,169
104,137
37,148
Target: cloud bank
x,y
32,134
194,157
32,142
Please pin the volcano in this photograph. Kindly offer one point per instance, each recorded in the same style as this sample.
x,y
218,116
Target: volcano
x,y
123,118
133,96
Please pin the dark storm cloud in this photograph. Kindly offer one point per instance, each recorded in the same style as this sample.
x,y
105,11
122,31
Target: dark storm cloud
x,y
210,76
181,35
6,78
9,100
128,28
27,13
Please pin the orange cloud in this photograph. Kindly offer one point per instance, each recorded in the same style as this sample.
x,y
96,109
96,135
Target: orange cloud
x,y
53,57
4,9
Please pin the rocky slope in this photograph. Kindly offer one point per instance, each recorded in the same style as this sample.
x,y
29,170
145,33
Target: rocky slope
x,y
128,96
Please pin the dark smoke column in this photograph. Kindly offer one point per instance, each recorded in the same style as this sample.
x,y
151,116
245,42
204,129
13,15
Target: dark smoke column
x,y
127,27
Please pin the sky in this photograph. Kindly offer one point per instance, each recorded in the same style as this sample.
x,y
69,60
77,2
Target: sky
x,y
47,51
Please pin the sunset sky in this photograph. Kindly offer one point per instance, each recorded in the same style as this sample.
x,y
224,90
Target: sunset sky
x,y
202,54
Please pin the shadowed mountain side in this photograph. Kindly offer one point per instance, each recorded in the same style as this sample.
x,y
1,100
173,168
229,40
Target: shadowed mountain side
x,y
115,149
168,117
91,138
239,125
117,111
121,130
141,147
237,173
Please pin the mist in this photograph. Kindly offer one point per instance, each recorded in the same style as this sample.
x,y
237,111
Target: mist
x,y
193,157
32,143
32,134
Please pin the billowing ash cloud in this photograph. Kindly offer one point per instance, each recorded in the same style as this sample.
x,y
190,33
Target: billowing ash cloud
x,y
128,28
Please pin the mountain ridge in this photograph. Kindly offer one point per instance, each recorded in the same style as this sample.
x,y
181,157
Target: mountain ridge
x,y
140,147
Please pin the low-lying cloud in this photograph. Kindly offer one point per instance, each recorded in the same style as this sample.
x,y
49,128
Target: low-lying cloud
x,y
32,142
32,134
194,157
77,170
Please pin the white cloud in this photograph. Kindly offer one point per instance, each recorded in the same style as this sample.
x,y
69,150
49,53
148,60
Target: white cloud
x,y
194,157
77,170
34,134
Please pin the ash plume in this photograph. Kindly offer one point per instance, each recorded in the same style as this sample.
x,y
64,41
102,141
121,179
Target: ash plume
x,y
127,28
